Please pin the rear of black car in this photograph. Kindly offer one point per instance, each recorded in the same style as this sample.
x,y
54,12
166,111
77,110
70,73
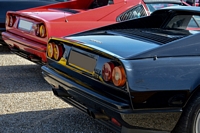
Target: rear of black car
x,y
81,85
81,75
98,72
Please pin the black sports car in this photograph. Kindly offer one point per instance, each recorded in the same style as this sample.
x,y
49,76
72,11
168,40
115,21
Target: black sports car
x,y
141,75
14,5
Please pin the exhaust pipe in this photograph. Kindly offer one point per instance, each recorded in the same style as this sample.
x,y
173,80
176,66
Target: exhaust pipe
x,y
60,93
13,49
94,114
34,58
97,115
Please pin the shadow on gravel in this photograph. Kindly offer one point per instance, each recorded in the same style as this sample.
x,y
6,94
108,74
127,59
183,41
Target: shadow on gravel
x,y
4,49
68,120
22,78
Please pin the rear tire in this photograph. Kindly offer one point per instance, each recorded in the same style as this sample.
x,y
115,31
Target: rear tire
x,y
198,124
190,118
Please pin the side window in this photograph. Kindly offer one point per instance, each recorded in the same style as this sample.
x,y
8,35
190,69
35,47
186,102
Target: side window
x,y
192,23
197,19
135,12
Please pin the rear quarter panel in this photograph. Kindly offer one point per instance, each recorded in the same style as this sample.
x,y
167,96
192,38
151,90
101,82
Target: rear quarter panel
x,y
163,74
61,29
73,4
97,13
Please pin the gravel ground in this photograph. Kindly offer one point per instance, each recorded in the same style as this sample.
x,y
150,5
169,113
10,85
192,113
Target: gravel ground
x,y
27,104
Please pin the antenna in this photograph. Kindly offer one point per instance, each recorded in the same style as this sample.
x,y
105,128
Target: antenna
x,y
65,18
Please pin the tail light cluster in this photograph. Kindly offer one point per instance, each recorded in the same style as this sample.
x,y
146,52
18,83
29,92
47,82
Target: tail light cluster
x,y
54,51
41,30
10,20
114,73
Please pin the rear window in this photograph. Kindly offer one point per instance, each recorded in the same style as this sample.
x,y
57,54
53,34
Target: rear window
x,y
133,13
184,22
156,6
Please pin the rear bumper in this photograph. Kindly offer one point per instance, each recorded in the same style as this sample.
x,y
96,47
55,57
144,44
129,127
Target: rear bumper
x,y
26,48
140,121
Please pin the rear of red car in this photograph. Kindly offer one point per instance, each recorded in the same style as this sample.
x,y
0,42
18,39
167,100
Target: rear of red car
x,y
32,32
27,31
16,5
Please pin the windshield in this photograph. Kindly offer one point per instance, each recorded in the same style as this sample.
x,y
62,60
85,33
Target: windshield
x,y
156,6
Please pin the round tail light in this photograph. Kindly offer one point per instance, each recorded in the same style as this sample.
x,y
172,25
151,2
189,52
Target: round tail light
x,y
10,20
115,122
118,76
7,19
57,52
107,71
37,30
42,31
50,50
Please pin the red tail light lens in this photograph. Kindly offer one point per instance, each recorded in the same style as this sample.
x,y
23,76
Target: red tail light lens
x,y
118,76
37,30
50,50
57,52
54,51
115,122
7,19
107,71
10,20
115,74
42,31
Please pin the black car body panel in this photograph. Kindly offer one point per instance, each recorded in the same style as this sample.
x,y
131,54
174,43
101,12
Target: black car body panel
x,y
158,61
117,48
136,47
100,106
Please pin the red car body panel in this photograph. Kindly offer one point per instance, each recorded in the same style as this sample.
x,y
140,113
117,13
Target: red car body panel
x,y
60,20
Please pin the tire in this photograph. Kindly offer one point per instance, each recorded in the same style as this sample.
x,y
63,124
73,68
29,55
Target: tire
x,y
190,118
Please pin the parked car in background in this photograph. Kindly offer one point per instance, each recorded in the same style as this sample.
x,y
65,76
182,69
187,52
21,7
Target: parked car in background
x,y
196,3
141,75
28,31
192,2
15,5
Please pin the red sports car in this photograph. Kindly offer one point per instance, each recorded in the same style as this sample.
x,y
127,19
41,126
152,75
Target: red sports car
x,y
27,31
6,5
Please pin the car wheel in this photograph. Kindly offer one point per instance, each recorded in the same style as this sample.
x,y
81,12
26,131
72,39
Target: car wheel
x,y
190,118
197,125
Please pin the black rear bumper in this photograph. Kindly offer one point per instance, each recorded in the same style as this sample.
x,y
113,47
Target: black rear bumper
x,y
140,121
